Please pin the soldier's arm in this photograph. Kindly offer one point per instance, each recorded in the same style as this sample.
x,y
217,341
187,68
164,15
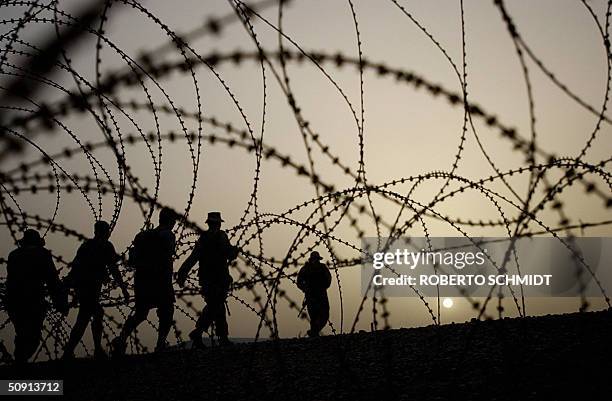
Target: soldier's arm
x,y
51,277
191,260
114,271
169,244
301,280
328,277
230,250
77,255
54,285
70,279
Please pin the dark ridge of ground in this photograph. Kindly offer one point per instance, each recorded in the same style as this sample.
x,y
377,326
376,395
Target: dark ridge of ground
x,y
558,357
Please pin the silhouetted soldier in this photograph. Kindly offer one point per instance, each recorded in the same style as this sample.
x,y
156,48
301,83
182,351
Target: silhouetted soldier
x,y
213,252
314,279
152,257
90,267
30,269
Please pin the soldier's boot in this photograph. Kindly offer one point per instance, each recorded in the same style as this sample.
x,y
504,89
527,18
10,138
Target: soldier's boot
x,y
196,339
118,346
69,351
73,341
225,342
313,333
100,354
160,346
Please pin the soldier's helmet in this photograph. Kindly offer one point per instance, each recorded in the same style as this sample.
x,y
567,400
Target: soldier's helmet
x,y
214,217
31,238
315,256
167,215
102,229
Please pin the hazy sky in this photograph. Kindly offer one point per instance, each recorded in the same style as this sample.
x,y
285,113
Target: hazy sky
x,y
407,131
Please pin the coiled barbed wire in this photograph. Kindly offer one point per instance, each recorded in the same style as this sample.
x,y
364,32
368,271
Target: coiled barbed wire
x,y
263,281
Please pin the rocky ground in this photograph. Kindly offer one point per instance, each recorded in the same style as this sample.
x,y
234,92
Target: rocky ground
x,y
542,358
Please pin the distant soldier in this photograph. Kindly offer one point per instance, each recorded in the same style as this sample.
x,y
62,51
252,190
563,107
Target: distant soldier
x,y
30,269
213,252
314,279
152,257
90,267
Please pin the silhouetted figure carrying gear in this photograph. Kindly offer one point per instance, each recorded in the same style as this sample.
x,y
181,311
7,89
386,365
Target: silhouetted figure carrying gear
x,y
30,269
90,267
314,279
213,252
152,256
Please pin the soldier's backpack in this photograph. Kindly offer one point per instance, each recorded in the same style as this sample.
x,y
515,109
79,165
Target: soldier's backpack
x,y
145,248
87,266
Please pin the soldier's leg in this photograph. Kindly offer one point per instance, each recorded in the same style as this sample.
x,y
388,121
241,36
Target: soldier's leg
x,y
20,323
204,320
83,317
312,315
165,313
202,324
220,319
96,328
138,316
323,312
318,309
29,335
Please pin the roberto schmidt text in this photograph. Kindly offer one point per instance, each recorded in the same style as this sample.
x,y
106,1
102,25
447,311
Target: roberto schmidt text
x,y
463,280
